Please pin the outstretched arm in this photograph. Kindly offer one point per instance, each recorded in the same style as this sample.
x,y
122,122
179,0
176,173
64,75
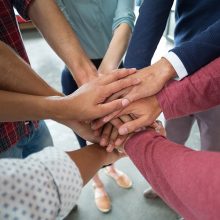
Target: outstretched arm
x,y
17,76
123,24
52,177
185,179
195,93
58,33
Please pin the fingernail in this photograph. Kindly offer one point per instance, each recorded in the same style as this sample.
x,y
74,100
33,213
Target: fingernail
x,y
105,119
123,131
108,149
125,102
102,142
117,142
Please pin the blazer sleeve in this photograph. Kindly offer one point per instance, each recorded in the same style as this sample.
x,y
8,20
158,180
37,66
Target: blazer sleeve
x,y
201,50
148,30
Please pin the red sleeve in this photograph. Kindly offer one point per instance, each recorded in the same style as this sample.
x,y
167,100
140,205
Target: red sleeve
x,y
186,180
195,93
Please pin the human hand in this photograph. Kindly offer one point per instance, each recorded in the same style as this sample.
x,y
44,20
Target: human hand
x,y
110,137
82,129
155,126
87,102
153,79
144,111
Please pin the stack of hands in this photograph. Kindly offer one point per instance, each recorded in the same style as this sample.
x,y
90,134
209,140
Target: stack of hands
x,y
111,107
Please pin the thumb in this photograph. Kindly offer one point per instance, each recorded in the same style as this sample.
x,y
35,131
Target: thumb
x,y
113,106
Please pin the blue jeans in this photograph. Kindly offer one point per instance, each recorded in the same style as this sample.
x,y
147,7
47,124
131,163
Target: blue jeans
x,y
35,141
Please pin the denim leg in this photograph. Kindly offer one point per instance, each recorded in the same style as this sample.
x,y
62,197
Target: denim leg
x,y
13,152
39,139
69,86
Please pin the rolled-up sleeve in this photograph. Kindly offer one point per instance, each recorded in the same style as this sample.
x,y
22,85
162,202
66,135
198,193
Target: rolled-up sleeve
x,y
22,7
45,185
124,14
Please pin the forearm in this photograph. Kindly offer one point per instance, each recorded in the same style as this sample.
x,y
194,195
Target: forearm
x,y
22,107
17,76
116,49
147,33
58,33
196,93
95,159
175,171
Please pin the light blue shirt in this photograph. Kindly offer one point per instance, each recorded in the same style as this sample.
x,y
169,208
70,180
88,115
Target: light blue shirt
x,y
94,21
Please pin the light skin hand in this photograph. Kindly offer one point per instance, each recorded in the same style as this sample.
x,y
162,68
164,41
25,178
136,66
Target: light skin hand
x,y
144,110
87,102
153,79
110,134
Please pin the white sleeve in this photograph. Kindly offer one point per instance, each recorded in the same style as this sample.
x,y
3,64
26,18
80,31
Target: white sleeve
x,y
177,65
46,185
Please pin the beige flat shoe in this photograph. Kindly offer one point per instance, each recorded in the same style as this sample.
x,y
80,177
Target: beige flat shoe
x,y
121,179
102,200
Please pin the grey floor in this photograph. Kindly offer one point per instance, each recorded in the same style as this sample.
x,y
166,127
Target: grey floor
x,y
126,204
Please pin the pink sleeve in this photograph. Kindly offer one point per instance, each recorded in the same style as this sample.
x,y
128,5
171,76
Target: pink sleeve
x,y
187,180
195,93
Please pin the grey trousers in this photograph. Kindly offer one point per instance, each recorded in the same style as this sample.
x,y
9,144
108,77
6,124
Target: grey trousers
x,y
178,130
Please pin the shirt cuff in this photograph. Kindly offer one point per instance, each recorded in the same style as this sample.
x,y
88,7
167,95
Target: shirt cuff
x,y
177,65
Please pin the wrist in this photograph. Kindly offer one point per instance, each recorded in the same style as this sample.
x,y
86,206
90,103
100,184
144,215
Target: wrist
x,y
83,71
56,108
165,69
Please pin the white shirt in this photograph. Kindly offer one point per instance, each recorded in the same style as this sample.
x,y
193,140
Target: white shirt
x,y
45,185
177,65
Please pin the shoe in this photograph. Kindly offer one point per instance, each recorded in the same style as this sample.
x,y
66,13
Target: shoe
x,y
75,207
102,200
121,179
150,194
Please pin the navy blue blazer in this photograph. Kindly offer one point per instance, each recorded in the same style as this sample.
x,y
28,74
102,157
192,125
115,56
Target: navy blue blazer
x,y
197,32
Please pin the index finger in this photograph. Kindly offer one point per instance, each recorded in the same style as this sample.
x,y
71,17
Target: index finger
x,y
117,74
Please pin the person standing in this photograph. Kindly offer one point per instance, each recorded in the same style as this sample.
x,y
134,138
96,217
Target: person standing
x,y
193,19
104,29
19,139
